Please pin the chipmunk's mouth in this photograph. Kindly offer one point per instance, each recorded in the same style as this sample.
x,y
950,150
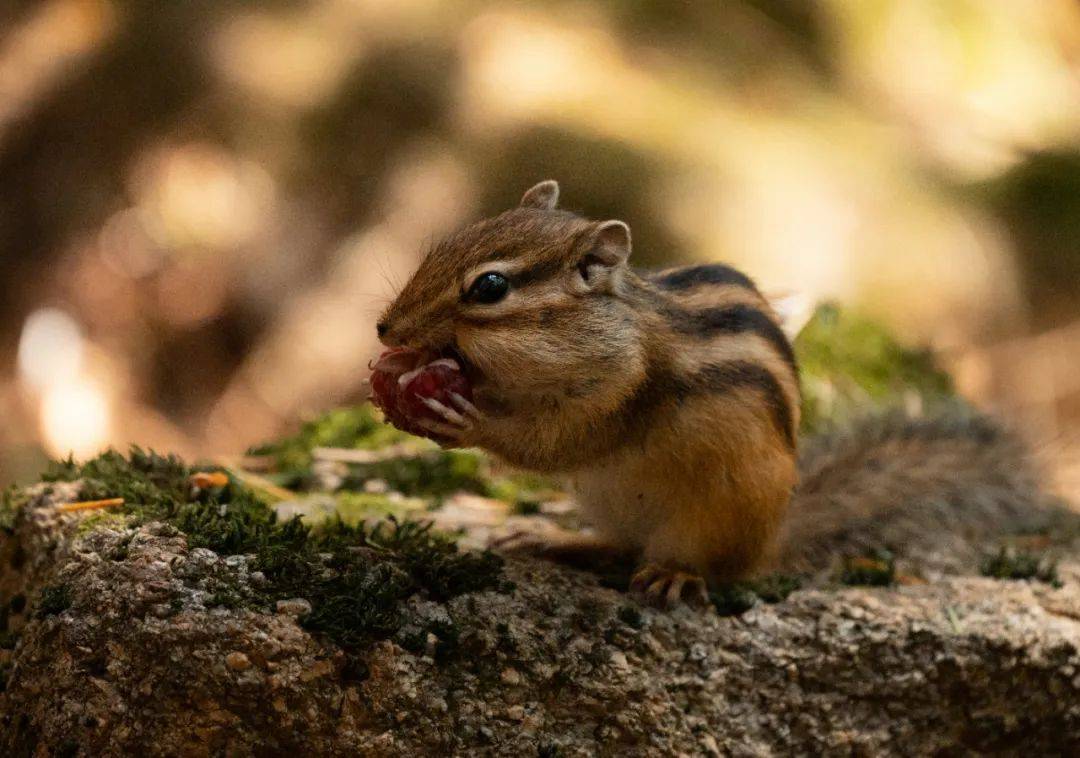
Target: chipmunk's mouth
x,y
468,368
404,359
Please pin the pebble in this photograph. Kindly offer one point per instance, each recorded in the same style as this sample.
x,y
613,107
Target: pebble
x,y
532,722
237,661
511,676
708,743
296,606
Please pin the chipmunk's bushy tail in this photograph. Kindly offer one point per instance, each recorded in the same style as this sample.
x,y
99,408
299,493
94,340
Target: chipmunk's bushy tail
x,y
936,485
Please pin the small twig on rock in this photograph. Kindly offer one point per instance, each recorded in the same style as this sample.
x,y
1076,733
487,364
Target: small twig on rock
x,y
89,505
355,455
262,484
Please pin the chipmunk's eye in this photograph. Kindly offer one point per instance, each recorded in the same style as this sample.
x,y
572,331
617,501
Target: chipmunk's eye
x,y
489,287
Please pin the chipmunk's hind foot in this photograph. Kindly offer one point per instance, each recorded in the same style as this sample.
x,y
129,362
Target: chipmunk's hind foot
x,y
664,587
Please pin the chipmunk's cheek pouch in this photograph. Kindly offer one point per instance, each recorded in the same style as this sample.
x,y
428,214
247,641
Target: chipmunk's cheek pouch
x,y
404,382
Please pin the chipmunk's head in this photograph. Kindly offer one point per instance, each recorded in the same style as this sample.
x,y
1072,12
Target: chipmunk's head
x,y
527,300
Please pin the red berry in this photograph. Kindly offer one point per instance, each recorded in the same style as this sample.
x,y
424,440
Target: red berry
x,y
384,382
435,381
398,388
384,393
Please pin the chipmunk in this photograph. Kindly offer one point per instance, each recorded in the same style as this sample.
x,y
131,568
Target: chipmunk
x,y
669,399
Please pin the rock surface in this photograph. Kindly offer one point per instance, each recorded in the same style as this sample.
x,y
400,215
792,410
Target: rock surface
x,y
138,659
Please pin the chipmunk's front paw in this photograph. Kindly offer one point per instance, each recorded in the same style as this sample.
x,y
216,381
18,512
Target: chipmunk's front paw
x,y
455,424
667,587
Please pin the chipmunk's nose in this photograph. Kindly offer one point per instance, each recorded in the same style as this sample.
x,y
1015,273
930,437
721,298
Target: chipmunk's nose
x,y
411,332
391,337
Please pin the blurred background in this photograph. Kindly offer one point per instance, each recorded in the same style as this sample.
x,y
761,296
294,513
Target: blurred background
x,y
205,204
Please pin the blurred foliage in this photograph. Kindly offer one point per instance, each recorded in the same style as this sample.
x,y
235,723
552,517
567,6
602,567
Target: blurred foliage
x,y
746,41
1011,563
434,474
736,598
392,96
1039,199
10,502
849,362
417,468
878,569
353,428
54,599
618,183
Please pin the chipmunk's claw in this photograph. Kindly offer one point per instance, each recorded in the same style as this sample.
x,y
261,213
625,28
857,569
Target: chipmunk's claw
x,y
447,433
455,422
449,415
465,406
666,587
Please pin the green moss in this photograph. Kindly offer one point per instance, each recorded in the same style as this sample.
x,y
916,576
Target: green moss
x,y
54,599
1010,563
848,362
523,491
736,598
433,474
357,579
153,486
775,588
358,507
354,428
630,616
423,470
878,569
229,597
101,520
355,576
433,560
733,599
12,501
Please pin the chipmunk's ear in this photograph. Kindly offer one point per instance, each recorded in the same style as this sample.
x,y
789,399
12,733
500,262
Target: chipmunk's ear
x,y
543,196
612,245
608,252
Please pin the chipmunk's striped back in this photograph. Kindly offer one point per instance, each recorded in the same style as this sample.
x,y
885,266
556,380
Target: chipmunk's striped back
x,y
730,337
701,465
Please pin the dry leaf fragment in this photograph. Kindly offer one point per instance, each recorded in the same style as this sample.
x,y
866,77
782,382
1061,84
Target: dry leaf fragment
x,y
207,479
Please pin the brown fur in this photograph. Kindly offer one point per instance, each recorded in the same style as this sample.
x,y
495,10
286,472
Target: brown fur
x,y
679,440
946,484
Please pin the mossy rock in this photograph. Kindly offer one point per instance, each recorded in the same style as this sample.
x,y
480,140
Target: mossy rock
x,y
356,576
849,363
